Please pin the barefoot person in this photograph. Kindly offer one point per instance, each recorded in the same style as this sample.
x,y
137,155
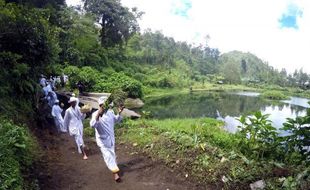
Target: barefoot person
x,y
73,122
103,120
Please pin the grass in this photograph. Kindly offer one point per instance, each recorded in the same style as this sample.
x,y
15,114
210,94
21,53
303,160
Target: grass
x,y
222,87
194,145
88,130
157,92
201,149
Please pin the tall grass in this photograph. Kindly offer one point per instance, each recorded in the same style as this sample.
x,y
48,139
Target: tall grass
x,y
202,149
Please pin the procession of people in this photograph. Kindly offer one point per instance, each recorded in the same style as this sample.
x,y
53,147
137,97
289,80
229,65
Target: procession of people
x,y
71,121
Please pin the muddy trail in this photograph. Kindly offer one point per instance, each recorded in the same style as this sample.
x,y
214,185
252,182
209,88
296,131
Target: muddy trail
x,y
62,168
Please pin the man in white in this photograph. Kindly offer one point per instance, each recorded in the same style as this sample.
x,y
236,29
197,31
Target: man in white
x,y
59,121
46,89
103,120
77,99
42,81
73,122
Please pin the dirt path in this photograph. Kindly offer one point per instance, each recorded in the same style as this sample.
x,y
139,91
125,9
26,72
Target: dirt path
x,y
63,169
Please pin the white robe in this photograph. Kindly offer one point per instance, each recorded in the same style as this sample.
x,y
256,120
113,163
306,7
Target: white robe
x,y
73,122
59,121
45,90
49,87
51,98
105,137
43,81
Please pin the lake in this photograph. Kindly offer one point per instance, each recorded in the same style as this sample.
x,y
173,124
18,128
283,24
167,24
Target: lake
x,y
225,106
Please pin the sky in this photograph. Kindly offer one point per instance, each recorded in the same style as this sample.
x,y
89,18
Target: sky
x,y
277,31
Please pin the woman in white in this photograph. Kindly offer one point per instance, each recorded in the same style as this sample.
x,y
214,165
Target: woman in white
x,y
59,121
103,120
73,122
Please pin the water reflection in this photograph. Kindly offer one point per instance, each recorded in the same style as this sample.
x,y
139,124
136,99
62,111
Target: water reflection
x,y
303,102
224,106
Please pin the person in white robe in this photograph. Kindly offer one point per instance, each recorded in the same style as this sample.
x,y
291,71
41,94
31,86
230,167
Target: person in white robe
x,y
52,82
49,86
73,123
103,120
77,99
51,98
45,90
42,81
58,119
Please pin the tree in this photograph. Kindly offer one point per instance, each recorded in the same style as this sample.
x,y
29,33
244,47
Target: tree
x,y
39,3
79,39
118,23
231,73
26,32
28,44
243,66
283,72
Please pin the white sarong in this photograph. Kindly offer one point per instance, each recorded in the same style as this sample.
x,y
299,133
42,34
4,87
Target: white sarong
x,y
59,121
73,122
109,157
105,137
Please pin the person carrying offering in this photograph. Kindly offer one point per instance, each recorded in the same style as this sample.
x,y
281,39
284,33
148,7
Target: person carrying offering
x,y
104,120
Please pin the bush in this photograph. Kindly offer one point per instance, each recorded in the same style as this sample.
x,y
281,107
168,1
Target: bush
x,y
72,72
298,138
139,76
165,81
87,75
17,154
274,95
259,137
118,81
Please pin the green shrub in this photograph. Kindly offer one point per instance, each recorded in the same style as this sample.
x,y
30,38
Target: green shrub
x,y
17,154
117,81
88,130
164,81
274,95
87,75
139,76
72,72
298,137
259,137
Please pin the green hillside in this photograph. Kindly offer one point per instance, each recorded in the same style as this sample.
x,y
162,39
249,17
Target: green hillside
x,y
246,67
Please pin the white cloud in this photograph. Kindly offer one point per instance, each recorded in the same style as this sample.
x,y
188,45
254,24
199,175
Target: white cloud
x,y
250,26
245,25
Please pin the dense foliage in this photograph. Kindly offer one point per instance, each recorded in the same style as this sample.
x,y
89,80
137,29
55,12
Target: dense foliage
x,y
118,24
102,47
120,81
57,34
258,136
299,136
17,155
230,161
